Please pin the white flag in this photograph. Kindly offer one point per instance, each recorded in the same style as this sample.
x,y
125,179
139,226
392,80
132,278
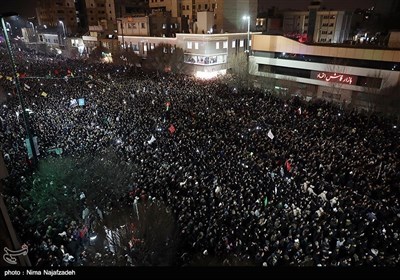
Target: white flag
x,y
151,140
270,135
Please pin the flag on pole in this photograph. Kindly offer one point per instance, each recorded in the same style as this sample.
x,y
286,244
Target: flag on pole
x,y
26,87
270,135
151,140
172,129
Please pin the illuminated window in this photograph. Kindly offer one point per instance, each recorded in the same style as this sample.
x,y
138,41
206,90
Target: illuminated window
x,y
217,45
225,44
196,45
241,43
233,44
189,45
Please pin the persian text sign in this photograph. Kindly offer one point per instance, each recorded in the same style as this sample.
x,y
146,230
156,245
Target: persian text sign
x,y
334,77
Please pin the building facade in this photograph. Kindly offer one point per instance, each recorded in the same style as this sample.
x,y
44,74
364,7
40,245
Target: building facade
x,y
323,27
205,55
58,13
228,15
336,73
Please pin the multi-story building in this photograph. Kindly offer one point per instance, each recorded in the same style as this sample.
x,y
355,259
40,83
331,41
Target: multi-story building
x,y
205,55
323,27
58,13
101,11
336,73
228,15
131,7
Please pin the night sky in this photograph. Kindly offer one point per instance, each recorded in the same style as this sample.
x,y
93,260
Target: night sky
x,y
329,4
26,8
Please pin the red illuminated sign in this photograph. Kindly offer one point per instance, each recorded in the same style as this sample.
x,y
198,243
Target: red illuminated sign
x,y
336,78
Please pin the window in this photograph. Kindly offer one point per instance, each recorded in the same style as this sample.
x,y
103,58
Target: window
x,y
189,45
241,43
164,26
142,25
183,7
217,45
213,6
233,44
132,25
206,6
225,44
199,6
196,45
187,7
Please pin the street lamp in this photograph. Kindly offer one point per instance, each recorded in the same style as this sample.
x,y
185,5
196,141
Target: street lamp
x,y
62,23
248,32
18,87
122,31
63,38
9,27
33,28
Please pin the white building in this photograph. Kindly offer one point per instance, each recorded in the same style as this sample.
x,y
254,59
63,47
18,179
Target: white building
x,y
205,54
336,73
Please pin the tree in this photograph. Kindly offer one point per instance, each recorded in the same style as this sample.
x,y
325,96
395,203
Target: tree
x,y
165,58
58,183
97,54
143,235
238,65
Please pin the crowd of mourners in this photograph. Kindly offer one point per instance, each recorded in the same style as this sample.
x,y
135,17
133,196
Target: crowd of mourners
x,y
250,177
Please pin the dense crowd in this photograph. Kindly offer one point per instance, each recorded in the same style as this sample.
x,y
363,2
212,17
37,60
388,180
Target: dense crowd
x,y
250,177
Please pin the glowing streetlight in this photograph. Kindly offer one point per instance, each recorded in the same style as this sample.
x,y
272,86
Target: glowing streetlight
x,y
33,28
62,23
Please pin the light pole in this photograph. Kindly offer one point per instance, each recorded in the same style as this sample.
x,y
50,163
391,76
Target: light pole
x,y
122,32
18,87
9,27
248,33
63,38
33,28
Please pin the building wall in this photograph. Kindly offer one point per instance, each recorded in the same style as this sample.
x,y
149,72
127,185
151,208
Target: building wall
x,y
339,81
330,26
134,26
202,53
234,12
205,21
49,12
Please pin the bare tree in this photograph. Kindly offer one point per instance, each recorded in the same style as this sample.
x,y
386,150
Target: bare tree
x,y
165,58
143,236
59,182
